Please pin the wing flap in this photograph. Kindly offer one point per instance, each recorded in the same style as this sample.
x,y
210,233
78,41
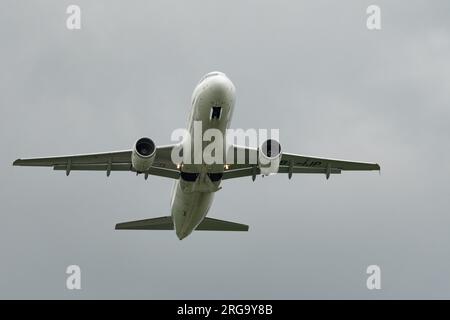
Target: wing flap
x,y
155,171
94,167
247,172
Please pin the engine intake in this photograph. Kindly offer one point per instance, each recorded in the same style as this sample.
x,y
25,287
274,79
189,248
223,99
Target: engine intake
x,y
143,154
269,157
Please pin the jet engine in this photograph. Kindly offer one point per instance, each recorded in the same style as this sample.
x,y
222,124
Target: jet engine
x,y
143,154
269,157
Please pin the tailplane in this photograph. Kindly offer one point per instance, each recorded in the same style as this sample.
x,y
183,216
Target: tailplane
x,y
210,224
161,223
166,223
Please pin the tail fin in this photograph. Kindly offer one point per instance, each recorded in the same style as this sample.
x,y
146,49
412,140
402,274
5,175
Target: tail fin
x,y
166,223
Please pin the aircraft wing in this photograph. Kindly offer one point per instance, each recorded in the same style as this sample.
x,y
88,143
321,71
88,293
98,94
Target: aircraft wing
x,y
292,164
106,161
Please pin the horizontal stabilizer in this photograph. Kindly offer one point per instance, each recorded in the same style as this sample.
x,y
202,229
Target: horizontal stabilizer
x,y
166,223
210,224
161,223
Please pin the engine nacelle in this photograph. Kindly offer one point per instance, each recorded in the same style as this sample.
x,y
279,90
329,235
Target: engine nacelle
x,y
269,157
143,154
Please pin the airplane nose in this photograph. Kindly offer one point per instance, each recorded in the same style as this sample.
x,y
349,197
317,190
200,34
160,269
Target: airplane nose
x,y
220,86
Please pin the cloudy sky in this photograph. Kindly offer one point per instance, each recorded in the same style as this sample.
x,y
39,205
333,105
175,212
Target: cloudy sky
x,y
309,68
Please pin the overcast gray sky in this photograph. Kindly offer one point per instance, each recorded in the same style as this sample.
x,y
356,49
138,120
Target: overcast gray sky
x,y
310,68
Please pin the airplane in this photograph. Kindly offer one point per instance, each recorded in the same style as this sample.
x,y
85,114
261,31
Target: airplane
x,y
195,184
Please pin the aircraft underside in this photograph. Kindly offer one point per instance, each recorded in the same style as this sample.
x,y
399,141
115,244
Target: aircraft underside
x,y
196,178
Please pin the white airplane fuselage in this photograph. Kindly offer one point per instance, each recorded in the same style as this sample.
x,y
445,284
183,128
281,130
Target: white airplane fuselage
x,y
192,195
